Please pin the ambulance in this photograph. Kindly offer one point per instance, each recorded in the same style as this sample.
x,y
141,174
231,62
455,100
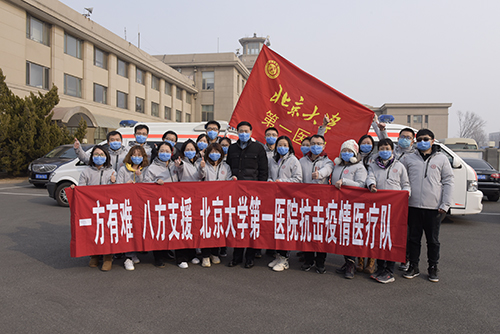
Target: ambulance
x,y
69,173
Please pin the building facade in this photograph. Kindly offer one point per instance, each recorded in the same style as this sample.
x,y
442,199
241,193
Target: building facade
x,y
100,77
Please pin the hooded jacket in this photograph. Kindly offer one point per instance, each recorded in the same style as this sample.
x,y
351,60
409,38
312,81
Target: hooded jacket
x,y
189,171
322,163
351,174
125,175
431,180
158,170
393,177
286,169
115,156
221,172
91,176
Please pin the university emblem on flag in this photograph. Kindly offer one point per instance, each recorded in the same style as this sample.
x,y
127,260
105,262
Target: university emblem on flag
x,y
272,69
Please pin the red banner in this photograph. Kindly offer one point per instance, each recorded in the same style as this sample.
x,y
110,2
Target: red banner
x,y
281,95
308,217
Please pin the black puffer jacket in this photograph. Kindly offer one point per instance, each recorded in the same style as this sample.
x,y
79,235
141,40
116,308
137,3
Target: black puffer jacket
x,y
249,163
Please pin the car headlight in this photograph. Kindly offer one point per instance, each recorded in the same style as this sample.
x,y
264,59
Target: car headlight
x,y
471,185
42,168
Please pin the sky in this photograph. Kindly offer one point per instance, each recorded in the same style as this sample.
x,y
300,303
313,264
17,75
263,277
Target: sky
x,y
376,52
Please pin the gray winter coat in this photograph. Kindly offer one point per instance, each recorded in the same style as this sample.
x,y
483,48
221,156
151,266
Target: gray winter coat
x,y
220,173
124,175
394,177
431,180
91,176
287,169
322,163
190,172
158,170
116,156
352,174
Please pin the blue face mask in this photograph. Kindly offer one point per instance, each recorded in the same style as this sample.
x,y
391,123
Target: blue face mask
x,y
244,136
98,161
346,156
115,145
170,142
164,156
282,150
424,145
202,145
316,149
214,156
190,154
225,148
365,148
141,139
385,154
404,143
136,160
271,140
305,149
212,134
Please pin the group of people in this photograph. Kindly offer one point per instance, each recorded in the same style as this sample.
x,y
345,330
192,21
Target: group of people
x,y
414,164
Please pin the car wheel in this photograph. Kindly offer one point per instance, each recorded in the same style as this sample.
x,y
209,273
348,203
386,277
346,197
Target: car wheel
x,y
493,198
60,194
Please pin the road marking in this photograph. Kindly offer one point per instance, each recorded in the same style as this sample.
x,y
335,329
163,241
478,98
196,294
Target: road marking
x,y
489,213
5,193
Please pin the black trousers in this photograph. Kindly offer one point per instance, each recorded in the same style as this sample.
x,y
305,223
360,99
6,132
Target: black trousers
x,y
424,221
184,255
383,264
238,254
206,252
312,257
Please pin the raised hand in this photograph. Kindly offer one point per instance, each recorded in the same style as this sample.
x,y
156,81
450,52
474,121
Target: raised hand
x,y
315,174
76,144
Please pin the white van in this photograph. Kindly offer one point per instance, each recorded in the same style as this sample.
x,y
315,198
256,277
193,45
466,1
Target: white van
x,y
69,173
466,196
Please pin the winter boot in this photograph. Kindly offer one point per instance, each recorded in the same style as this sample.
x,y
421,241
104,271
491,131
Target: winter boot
x,y
370,266
107,261
359,266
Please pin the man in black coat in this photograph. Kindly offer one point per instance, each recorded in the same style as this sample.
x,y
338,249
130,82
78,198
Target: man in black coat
x,y
248,161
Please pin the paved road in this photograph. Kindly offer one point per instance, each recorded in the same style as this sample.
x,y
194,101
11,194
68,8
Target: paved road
x,y
44,290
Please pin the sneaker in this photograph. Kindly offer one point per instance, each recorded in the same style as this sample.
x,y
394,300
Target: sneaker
x,y
306,267
274,262
195,260
135,259
282,264
320,270
129,264
379,272
223,253
385,277
206,262
341,270
183,265
433,276
159,263
412,271
349,270
404,266
214,259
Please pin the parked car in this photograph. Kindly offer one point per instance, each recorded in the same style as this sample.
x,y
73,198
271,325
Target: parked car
x,y
41,168
488,178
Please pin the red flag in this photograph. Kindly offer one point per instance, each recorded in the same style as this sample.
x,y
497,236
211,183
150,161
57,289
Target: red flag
x,y
281,95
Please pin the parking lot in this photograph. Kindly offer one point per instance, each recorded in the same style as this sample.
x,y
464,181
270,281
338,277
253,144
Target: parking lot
x,y
44,290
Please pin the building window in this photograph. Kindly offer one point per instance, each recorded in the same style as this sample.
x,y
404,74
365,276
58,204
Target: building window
x,y
178,116
72,46
168,88
37,30
155,83
37,76
122,68
238,84
100,58
139,105
168,113
207,113
189,98
417,119
121,100
178,93
253,48
187,117
408,119
100,93
155,109
72,86
140,76
427,119
208,80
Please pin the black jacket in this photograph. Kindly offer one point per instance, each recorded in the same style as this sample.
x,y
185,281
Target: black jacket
x,y
249,163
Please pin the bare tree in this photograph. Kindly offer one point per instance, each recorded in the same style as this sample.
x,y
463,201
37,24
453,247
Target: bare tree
x,y
471,126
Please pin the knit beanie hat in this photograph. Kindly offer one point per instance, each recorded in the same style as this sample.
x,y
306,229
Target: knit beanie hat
x,y
351,145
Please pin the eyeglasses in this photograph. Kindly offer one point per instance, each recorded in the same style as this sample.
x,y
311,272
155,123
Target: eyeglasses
x,y
424,139
406,137
212,129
